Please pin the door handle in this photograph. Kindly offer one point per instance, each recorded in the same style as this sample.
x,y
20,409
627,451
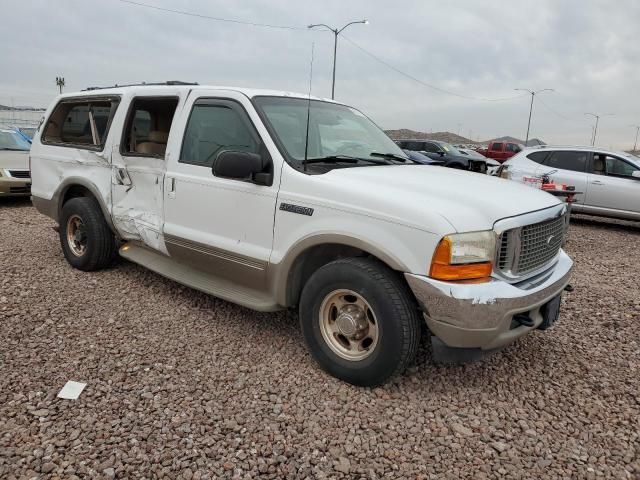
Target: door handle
x,y
172,188
597,182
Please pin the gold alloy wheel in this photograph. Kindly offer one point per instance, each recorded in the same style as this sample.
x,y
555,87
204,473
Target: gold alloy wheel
x,y
76,236
348,325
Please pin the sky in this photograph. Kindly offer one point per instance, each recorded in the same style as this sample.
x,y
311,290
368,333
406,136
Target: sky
x,y
586,50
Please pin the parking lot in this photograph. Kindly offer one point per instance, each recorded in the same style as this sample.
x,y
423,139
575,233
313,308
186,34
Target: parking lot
x,y
182,385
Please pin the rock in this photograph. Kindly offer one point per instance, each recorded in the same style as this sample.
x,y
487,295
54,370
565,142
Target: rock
x,y
499,446
462,430
343,465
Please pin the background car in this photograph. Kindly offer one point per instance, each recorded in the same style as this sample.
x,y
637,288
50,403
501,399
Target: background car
x,y
437,150
421,158
492,165
15,178
608,182
501,151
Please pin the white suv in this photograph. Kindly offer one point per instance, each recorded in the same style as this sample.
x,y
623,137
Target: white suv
x,y
275,200
608,181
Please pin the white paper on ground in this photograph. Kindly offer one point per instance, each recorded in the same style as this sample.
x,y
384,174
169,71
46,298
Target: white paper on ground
x,y
71,390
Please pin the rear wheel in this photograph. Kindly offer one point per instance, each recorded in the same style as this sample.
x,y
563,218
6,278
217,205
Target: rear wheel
x,y
359,321
86,239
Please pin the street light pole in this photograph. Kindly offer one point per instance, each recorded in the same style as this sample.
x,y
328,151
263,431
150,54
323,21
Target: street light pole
x,y
60,83
336,32
533,94
595,129
635,144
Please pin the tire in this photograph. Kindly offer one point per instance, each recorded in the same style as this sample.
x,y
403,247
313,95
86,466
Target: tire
x,y
94,247
391,313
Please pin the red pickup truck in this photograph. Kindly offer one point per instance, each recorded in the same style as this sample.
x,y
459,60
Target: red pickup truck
x,y
500,151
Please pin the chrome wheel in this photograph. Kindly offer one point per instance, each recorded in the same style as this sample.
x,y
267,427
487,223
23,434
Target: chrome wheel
x,y
76,236
348,325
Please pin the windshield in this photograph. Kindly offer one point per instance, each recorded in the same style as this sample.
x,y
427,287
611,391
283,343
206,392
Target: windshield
x,y
334,130
447,147
13,141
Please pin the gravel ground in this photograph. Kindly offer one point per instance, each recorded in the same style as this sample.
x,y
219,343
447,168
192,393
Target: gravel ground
x,y
182,385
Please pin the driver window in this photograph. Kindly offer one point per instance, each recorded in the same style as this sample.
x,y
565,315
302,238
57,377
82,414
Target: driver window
x,y
607,165
212,129
431,148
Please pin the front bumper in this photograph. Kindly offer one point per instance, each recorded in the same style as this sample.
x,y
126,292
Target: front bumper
x,y
467,315
11,186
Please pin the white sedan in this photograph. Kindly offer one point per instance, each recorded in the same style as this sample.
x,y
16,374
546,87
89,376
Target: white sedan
x,y
15,178
609,181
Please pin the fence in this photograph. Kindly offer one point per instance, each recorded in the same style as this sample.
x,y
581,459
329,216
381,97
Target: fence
x,y
20,118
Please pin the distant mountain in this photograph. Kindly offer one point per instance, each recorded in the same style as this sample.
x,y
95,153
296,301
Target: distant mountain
x,y
21,109
531,143
404,134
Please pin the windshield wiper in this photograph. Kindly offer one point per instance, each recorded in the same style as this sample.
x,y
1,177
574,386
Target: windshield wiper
x,y
344,159
394,156
331,159
14,149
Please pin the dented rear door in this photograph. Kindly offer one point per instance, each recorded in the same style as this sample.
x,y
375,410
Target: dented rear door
x,y
137,174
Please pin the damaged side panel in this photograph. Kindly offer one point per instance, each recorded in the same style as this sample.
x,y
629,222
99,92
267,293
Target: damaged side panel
x,y
137,204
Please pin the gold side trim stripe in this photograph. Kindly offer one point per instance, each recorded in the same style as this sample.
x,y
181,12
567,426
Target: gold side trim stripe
x,y
214,252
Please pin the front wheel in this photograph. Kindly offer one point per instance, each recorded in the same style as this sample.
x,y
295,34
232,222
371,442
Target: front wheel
x,y
359,321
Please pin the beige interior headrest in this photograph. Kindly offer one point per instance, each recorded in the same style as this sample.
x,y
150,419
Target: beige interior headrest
x,y
158,137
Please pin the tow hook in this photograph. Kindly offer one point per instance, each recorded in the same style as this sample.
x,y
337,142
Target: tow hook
x,y
568,288
523,319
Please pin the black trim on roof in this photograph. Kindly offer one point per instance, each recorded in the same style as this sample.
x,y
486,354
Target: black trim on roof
x,y
143,84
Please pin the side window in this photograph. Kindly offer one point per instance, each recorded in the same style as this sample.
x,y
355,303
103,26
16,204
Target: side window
x,y
80,123
431,147
213,128
415,146
496,147
146,129
614,166
512,147
538,157
574,161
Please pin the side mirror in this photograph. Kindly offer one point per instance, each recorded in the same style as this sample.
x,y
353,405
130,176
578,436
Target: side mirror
x,y
441,153
242,166
636,174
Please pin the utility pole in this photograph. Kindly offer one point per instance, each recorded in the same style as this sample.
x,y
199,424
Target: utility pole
x,y
635,144
533,94
336,32
595,129
60,83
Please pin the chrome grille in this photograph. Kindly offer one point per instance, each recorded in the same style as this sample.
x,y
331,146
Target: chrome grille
x,y
526,249
20,173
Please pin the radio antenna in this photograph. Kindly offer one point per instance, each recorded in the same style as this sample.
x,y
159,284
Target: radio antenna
x,y
306,139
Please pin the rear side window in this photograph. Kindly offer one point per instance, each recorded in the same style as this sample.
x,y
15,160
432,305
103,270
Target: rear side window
x,y
538,157
574,161
147,127
496,147
213,128
80,123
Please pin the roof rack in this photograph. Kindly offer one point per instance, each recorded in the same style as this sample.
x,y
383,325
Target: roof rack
x,y
143,84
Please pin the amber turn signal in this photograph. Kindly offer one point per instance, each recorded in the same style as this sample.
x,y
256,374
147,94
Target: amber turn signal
x,y
442,269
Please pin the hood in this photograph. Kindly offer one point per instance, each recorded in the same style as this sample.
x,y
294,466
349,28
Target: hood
x,y
13,160
435,199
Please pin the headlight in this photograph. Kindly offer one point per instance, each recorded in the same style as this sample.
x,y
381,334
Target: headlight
x,y
464,256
